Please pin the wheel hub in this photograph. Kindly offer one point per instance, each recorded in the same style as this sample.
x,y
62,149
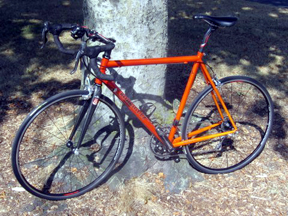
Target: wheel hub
x,y
226,125
70,144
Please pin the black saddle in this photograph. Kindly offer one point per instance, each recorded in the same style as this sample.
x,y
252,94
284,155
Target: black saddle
x,y
217,21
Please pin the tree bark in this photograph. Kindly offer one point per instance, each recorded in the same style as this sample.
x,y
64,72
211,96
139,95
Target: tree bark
x,y
140,29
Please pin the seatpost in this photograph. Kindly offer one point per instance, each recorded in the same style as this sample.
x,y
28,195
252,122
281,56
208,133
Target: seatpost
x,y
206,37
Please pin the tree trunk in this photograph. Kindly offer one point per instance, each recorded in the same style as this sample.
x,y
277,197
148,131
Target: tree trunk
x,y
140,29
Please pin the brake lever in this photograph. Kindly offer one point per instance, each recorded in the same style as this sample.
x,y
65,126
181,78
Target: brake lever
x,y
78,56
44,34
112,40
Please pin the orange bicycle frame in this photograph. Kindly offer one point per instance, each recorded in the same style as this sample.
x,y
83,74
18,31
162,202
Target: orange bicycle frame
x,y
198,64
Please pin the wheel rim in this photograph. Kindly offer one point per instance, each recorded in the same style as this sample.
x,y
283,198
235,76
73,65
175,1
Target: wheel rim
x,y
251,111
48,161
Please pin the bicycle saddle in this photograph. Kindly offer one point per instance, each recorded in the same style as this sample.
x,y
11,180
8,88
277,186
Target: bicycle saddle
x,y
217,21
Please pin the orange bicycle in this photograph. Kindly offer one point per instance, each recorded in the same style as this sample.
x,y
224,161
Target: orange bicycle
x,y
71,142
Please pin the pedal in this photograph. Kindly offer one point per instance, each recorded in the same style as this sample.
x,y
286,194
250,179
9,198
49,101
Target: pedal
x,y
177,159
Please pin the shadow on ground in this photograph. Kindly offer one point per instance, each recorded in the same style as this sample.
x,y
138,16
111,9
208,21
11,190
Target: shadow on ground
x,y
256,46
279,3
22,63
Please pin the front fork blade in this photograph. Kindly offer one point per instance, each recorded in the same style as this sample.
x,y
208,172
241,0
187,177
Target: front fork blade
x,y
79,119
89,113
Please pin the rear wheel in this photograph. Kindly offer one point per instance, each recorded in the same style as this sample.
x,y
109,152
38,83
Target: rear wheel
x,y
45,159
251,108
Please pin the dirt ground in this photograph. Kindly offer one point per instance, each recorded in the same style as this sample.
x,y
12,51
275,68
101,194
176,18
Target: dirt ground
x,y
256,46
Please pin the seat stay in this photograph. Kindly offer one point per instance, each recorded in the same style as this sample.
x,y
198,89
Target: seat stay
x,y
217,93
214,97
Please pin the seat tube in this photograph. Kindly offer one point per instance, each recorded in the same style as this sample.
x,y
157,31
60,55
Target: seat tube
x,y
184,99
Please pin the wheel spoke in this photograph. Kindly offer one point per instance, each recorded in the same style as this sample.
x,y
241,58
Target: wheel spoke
x,y
248,103
47,163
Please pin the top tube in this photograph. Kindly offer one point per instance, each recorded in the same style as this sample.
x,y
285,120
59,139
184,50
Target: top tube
x,y
152,61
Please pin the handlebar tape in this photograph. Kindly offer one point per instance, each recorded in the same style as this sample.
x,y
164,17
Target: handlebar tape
x,y
67,26
98,73
56,29
94,51
61,47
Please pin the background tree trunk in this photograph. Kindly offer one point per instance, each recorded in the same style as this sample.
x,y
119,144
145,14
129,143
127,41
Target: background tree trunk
x,y
140,29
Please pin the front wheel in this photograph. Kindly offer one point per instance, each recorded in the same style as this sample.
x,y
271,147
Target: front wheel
x,y
45,157
251,108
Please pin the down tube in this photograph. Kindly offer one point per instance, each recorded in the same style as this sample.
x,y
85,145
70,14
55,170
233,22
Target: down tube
x,y
140,115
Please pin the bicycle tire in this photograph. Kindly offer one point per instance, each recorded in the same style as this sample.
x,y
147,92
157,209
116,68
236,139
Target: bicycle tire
x,y
43,162
251,108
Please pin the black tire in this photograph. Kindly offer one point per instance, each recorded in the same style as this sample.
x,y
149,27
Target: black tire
x,y
251,108
45,162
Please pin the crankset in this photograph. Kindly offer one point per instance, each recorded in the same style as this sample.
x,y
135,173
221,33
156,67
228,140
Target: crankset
x,y
161,151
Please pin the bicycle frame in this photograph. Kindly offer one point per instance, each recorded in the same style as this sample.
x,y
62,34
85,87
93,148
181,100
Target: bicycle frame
x,y
198,64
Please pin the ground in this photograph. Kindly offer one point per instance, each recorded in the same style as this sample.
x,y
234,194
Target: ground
x,y
256,46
